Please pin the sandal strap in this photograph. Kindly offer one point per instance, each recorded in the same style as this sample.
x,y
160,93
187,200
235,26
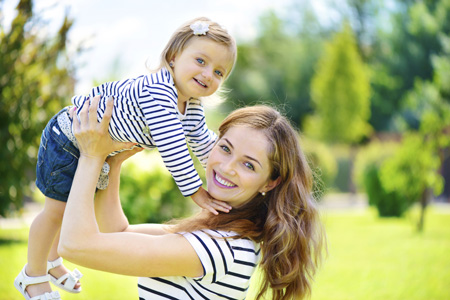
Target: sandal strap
x,y
55,263
28,280
71,279
23,280
54,295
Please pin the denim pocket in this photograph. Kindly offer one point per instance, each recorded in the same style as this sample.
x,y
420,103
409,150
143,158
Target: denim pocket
x,y
63,161
61,177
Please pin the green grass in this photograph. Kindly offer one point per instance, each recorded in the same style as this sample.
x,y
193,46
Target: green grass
x,y
96,285
384,259
369,259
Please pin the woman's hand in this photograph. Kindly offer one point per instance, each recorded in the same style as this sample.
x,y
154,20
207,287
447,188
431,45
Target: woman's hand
x,y
92,137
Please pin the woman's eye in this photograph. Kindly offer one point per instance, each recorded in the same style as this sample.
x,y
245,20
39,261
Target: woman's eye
x,y
250,166
225,148
219,73
200,61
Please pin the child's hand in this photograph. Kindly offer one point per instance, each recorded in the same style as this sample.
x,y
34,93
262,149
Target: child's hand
x,y
204,200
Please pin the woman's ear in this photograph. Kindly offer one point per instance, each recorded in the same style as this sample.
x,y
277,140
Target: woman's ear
x,y
271,184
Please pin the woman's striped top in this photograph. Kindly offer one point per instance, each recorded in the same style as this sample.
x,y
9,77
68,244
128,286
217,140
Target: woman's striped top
x,y
146,112
228,265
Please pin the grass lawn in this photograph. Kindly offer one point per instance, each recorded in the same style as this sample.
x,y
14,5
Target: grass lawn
x,y
369,258
385,259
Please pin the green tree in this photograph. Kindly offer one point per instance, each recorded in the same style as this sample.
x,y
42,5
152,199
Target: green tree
x,y
403,54
36,78
366,17
414,170
278,65
340,93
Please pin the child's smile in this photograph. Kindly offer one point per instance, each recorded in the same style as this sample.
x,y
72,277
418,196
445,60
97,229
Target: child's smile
x,y
200,68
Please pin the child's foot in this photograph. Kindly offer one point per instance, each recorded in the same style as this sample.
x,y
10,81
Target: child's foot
x,y
38,289
61,277
61,270
34,287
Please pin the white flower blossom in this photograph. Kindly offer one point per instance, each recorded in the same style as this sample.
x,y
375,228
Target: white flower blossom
x,y
200,28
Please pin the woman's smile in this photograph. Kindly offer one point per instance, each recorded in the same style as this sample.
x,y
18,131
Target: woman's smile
x,y
238,166
222,181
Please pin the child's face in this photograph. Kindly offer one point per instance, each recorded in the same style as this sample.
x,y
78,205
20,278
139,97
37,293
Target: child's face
x,y
200,68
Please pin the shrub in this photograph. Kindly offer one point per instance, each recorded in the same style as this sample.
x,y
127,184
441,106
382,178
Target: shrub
x,y
148,192
367,177
373,153
388,204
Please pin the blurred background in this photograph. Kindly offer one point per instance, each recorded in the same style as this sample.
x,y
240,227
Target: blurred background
x,y
366,82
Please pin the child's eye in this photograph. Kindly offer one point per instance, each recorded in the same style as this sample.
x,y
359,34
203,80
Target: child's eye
x,y
200,61
225,148
219,73
250,166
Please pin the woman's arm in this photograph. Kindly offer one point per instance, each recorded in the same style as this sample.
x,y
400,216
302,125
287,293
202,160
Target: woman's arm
x,y
126,253
108,208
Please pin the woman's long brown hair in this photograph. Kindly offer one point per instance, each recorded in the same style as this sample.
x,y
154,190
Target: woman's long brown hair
x,y
286,220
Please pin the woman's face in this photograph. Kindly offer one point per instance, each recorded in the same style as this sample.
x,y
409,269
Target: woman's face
x,y
238,166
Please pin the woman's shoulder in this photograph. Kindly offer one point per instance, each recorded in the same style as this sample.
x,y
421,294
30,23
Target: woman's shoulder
x,y
224,255
228,239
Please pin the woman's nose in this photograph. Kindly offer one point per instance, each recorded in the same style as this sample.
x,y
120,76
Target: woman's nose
x,y
228,167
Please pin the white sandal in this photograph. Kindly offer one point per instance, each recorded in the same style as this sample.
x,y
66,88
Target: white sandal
x,y
23,280
71,278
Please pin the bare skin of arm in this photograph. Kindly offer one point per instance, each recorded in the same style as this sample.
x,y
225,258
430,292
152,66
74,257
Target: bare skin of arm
x,y
108,208
123,249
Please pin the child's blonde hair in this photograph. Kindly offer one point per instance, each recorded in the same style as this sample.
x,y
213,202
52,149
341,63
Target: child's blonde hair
x,y
184,33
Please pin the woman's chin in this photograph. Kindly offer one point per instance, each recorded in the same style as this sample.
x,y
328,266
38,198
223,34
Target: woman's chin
x,y
218,195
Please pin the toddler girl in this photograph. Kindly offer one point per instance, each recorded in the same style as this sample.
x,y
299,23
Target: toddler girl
x,y
160,110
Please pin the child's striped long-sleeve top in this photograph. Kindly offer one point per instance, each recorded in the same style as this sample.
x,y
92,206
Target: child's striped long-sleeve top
x,y
146,112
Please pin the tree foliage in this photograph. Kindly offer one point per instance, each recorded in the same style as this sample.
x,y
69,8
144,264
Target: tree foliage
x,y
35,80
414,170
403,53
340,93
277,67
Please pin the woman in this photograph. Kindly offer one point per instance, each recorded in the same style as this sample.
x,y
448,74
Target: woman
x,y
256,167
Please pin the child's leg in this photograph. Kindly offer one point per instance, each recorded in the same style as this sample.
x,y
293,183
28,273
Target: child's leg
x,y
61,270
42,234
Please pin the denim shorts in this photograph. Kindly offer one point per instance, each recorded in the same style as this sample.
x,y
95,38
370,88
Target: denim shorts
x,y
57,161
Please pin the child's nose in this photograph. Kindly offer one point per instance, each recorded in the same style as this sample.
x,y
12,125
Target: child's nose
x,y
207,73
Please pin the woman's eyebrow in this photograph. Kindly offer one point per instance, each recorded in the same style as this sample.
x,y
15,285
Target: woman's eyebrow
x,y
229,143
249,157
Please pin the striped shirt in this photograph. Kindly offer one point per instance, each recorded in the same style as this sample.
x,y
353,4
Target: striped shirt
x,y
227,263
146,112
